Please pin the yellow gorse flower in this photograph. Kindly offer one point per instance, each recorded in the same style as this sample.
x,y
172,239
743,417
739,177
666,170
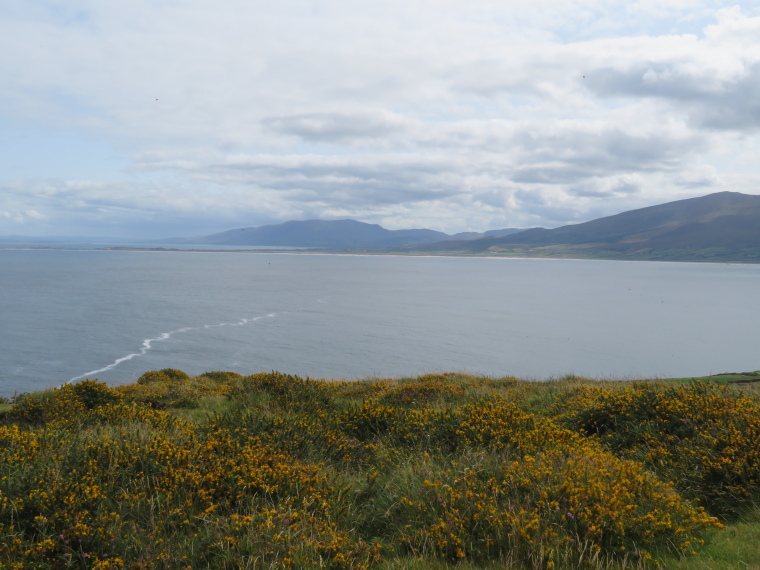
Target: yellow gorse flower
x,y
297,473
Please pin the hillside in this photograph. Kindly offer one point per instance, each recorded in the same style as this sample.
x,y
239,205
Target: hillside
x,y
719,227
489,233
439,471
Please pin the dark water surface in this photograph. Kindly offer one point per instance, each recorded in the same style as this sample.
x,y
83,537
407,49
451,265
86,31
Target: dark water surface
x,y
115,314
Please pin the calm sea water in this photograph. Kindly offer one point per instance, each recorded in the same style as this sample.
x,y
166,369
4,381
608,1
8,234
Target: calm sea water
x,y
115,314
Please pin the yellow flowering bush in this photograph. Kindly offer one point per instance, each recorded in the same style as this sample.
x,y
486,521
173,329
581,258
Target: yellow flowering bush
x,y
565,506
301,473
424,390
68,402
144,487
173,388
703,438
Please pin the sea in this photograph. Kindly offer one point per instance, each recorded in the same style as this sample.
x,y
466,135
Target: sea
x,y
68,314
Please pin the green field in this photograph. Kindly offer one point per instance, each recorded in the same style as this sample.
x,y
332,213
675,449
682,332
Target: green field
x,y
447,470
594,251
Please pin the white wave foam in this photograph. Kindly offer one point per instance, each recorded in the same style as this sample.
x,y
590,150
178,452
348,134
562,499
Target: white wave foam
x,y
147,344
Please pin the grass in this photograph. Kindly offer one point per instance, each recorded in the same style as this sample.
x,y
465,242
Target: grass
x,y
267,471
609,251
734,547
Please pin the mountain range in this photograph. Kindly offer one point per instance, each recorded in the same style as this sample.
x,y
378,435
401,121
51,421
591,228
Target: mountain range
x,y
336,234
718,227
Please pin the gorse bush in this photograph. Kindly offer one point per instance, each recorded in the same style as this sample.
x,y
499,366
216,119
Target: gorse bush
x,y
64,404
170,388
704,438
163,375
428,389
93,394
541,508
300,473
163,498
283,390
219,376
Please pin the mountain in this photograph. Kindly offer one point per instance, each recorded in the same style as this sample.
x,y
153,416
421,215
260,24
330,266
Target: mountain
x,y
489,233
719,227
334,234
327,234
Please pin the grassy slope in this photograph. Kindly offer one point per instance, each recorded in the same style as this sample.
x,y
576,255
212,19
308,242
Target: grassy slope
x,y
196,400
748,381
733,548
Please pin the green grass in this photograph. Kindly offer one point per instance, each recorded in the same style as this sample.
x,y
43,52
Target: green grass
x,y
207,406
723,378
735,547
745,382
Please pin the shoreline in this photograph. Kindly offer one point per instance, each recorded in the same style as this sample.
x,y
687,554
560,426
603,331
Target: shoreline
x,y
316,251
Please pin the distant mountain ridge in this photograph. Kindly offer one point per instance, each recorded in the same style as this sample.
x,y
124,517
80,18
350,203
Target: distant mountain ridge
x,y
489,233
718,227
722,227
333,234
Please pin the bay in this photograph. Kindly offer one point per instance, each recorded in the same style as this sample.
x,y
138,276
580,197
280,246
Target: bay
x,y
68,314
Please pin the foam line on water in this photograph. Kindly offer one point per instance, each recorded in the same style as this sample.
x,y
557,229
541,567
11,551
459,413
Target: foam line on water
x,y
147,344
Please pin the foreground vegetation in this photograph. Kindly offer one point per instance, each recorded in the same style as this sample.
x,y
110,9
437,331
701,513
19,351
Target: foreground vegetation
x,y
269,470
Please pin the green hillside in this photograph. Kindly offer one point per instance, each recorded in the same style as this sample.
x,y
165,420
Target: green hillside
x,y
718,227
447,470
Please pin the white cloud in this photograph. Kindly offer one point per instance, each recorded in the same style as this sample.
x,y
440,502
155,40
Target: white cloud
x,y
443,114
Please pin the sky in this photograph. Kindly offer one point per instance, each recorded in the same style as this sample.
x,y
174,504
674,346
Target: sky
x,y
162,118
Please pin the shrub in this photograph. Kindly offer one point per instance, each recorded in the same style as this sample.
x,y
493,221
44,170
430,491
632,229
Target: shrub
x,y
701,437
562,507
93,393
286,391
296,476
64,404
425,390
152,377
221,377
174,375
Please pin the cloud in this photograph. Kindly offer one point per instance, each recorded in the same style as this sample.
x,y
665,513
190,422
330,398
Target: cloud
x,y
339,128
344,179
619,186
572,152
458,117
699,177
33,214
713,80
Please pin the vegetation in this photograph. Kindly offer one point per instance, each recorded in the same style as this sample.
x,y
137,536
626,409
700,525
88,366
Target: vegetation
x,y
274,471
602,252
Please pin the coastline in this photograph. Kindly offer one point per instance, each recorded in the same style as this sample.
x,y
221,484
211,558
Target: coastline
x,y
363,253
